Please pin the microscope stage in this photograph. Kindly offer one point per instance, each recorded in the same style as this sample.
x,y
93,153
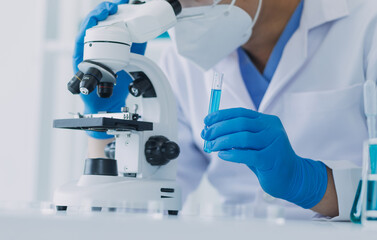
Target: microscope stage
x,y
102,124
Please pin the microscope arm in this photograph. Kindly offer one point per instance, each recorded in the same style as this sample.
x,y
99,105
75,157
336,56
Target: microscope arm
x,y
143,22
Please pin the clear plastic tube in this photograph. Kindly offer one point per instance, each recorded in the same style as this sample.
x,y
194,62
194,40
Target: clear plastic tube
x,y
214,101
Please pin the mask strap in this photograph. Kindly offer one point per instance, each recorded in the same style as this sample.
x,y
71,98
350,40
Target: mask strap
x,y
215,2
258,12
230,5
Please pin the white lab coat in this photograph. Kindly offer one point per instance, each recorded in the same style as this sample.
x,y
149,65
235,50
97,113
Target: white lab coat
x,y
316,91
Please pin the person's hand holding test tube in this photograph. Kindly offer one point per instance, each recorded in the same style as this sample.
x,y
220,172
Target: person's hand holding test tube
x,y
259,141
214,101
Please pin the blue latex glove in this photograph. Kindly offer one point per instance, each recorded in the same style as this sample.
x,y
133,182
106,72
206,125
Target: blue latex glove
x,y
260,141
93,103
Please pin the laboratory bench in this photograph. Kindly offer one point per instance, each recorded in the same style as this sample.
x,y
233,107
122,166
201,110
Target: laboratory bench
x,y
47,225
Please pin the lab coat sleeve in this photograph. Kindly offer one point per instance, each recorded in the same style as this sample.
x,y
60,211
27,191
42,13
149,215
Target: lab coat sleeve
x,y
346,178
192,163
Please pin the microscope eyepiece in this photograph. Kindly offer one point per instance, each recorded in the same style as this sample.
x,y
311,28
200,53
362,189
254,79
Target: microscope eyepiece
x,y
90,81
176,5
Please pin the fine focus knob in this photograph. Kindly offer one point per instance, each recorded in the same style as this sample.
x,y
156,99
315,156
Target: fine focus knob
x,y
170,150
159,150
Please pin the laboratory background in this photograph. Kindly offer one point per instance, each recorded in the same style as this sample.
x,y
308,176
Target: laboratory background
x,y
36,47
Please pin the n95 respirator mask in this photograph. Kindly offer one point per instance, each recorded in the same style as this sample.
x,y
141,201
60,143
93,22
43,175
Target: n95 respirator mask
x,y
207,34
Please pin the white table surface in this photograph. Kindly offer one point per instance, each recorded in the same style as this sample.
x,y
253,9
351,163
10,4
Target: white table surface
x,y
17,225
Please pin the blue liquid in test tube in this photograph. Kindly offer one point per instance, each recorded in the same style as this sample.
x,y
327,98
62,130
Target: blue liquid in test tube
x,y
372,185
214,101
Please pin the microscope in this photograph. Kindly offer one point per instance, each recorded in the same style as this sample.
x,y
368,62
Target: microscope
x,y
140,166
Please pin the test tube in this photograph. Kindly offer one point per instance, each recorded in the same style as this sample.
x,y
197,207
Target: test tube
x,y
214,101
366,193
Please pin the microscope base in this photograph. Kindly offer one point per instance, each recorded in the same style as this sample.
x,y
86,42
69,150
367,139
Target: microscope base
x,y
113,192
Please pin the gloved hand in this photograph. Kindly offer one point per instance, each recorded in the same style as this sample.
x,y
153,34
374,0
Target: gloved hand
x,y
260,141
93,103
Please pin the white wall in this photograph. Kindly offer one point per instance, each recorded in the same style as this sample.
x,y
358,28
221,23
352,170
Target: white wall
x,y
36,46
19,97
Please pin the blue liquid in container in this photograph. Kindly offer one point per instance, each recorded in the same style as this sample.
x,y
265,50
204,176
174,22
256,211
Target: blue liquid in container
x,y
371,201
214,104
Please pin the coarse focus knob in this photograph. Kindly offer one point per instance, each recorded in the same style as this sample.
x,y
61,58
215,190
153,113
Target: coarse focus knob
x,y
159,150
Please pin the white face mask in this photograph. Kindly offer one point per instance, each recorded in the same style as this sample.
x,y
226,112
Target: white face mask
x,y
207,34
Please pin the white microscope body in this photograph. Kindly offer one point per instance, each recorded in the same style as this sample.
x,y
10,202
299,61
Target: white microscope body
x,y
144,170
